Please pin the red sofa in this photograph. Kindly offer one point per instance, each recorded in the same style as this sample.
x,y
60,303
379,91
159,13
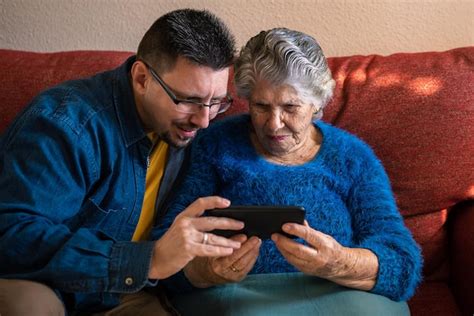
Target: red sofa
x,y
416,110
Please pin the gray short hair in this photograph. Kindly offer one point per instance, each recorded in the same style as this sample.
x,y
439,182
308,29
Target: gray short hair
x,y
284,56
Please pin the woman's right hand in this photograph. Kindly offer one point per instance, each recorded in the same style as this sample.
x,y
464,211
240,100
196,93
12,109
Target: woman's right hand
x,y
204,272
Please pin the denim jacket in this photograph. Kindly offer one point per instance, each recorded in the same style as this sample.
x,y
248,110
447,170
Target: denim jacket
x,y
72,180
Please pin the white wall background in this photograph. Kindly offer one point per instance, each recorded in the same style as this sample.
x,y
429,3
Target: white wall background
x,y
343,27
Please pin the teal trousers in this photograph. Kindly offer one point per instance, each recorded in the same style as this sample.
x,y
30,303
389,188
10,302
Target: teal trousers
x,y
292,294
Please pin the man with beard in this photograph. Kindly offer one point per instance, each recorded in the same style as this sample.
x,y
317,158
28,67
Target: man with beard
x,y
86,168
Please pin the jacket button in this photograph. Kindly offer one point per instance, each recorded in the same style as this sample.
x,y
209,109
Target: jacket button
x,y
129,281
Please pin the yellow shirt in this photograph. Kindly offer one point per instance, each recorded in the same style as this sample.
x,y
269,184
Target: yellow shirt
x,y
154,173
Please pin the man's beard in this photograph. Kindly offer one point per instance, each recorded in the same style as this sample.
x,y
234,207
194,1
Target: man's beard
x,y
166,137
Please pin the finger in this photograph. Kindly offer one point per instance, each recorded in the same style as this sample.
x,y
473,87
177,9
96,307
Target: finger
x,y
239,270
198,238
297,262
209,223
201,250
247,261
240,238
287,245
239,253
198,207
194,237
304,232
215,240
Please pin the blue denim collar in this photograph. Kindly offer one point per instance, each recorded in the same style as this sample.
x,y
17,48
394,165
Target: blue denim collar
x,y
124,102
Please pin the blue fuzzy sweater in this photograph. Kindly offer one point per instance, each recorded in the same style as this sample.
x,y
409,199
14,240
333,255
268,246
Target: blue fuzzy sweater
x,y
344,189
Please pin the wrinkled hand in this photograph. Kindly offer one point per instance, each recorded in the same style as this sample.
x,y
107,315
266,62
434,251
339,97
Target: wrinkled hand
x,y
323,258
204,272
326,258
184,240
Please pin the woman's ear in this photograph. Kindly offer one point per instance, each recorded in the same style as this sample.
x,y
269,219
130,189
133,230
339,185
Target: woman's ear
x,y
317,111
316,107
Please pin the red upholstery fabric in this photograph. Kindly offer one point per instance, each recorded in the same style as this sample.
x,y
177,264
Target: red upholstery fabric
x,y
462,256
416,111
434,298
25,74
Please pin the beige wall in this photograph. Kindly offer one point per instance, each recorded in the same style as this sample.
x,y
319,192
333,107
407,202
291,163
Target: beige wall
x,y
343,27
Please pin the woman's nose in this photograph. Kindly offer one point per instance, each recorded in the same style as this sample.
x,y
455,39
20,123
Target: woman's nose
x,y
275,121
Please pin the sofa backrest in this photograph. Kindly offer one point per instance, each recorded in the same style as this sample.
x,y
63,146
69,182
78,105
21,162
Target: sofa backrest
x,y
25,74
416,110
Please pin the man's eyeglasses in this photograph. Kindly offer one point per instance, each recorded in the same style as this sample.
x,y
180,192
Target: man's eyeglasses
x,y
191,106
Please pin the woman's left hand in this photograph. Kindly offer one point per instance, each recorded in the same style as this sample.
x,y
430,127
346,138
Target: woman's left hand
x,y
322,259
326,258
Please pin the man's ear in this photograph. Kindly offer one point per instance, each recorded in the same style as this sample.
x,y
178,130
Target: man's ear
x,y
140,77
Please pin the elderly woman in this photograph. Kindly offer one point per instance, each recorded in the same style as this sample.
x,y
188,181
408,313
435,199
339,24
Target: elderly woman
x,y
354,252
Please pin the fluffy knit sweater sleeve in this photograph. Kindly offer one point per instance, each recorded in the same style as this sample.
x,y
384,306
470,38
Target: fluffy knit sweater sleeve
x,y
344,189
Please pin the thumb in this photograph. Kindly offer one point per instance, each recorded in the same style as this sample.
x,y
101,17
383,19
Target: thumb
x,y
198,207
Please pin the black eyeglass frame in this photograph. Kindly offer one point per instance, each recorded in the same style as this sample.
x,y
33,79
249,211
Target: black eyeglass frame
x,y
223,104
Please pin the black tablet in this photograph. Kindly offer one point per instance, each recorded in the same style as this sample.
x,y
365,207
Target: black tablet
x,y
260,221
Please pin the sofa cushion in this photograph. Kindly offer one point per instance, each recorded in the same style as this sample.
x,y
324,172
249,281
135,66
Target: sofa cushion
x,y
417,112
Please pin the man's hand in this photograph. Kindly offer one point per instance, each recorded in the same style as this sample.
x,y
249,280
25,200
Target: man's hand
x,y
187,238
326,258
205,272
